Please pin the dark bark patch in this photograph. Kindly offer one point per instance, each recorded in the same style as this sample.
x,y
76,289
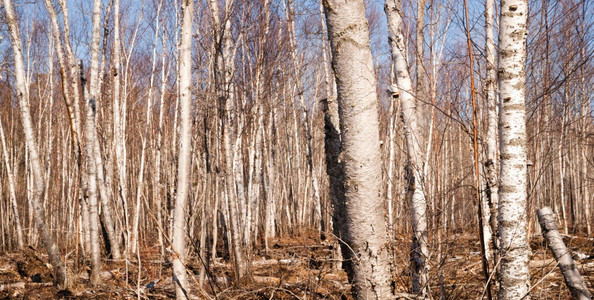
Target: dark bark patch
x,y
519,86
514,107
516,142
508,189
503,74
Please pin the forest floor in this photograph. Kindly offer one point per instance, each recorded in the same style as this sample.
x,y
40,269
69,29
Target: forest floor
x,y
300,267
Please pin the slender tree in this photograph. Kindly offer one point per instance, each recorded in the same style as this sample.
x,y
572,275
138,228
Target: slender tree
x,y
119,121
90,140
185,152
413,138
55,257
231,122
482,211
491,160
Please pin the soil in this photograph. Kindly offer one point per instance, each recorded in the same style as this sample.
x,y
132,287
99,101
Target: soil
x,y
298,267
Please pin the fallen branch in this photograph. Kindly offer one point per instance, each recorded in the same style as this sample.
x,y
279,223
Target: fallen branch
x,y
573,280
23,285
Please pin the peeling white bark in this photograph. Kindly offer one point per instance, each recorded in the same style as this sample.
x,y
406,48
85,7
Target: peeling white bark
x,y
91,137
185,152
515,276
364,230
492,161
414,142
119,122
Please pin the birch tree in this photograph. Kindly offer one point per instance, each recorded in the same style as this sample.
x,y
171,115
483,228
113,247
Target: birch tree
x,y
231,146
55,257
413,138
90,140
364,229
63,73
185,149
159,144
514,273
491,159
119,121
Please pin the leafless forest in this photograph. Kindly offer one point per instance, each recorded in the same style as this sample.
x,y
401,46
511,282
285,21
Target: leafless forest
x,y
296,149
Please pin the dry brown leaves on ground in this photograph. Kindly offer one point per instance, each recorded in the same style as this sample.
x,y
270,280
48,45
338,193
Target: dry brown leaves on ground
x,y
301,267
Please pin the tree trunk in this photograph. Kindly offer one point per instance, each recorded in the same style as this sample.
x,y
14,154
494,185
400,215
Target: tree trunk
x,y
231,154
491,163
515,276
157,181
119,122
414,142
364,229
55,257
185,149
91,137
63,74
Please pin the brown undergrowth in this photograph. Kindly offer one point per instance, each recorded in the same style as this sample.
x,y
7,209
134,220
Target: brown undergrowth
x,y
299,267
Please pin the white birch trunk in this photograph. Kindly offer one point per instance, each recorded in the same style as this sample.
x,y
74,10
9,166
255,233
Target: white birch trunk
x,y
514,247
102,190
255,187
185,149
562,165
335,171
118,122
586,196
76,92
65,76
413,138
224,69
270,205
492,162
391,162
72,67
55,257
157,184
104,195
91,137
85,241
585,111
92,192
365,229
